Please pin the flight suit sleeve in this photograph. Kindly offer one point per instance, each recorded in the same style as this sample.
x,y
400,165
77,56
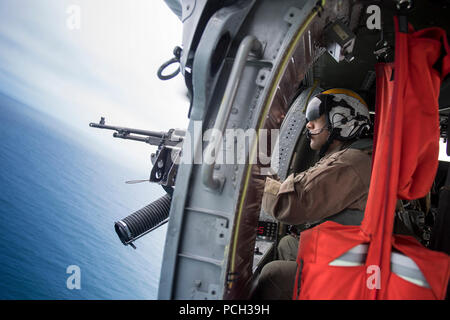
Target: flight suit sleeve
x,y
271,197
314,194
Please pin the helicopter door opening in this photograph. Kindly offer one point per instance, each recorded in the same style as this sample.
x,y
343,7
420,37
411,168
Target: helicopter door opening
x,y
291,143
218,238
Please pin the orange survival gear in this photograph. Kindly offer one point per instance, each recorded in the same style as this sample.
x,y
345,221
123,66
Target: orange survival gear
x,y
404,166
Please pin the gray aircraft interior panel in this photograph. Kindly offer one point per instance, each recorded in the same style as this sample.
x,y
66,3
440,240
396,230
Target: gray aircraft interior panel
x,y
199,255
200,285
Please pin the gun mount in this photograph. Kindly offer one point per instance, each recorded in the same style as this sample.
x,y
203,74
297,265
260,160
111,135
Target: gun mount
x,y
165,165
169,149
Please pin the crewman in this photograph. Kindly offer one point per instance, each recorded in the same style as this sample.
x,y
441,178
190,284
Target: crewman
x,y
335,188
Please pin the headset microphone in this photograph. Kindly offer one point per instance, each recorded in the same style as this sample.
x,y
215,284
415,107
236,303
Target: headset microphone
x,y
309,134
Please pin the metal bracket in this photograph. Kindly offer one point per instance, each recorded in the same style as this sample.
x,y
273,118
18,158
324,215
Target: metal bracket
x,y
212,294
188,7
292,14
165,166
295,15
262,78
340,41
222,231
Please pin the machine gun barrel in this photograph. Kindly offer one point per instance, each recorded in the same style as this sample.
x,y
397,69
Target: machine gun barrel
x,y
154,138
124,130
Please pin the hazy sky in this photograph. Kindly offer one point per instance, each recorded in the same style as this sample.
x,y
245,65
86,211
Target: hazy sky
x,y
102,64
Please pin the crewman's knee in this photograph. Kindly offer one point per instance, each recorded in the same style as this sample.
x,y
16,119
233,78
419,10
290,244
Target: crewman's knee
x,y
270,271
287,248
276,280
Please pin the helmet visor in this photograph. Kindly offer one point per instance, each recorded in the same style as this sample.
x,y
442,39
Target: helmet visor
x,y
314,110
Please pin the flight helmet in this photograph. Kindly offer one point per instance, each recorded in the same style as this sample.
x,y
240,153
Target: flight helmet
x,y
347,113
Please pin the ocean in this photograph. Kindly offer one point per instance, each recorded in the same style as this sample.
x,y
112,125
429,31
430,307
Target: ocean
x,y
58,203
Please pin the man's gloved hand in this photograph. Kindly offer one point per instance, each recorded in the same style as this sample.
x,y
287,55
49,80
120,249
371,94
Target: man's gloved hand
x,y
273,190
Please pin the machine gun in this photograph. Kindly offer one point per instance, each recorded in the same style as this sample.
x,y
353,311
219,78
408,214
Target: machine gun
x,y
166,157
165,165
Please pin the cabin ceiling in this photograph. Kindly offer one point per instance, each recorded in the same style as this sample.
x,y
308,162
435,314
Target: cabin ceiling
x,y
352,75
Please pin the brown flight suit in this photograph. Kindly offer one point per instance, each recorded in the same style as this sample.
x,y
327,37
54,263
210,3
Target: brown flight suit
x,y
335,188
